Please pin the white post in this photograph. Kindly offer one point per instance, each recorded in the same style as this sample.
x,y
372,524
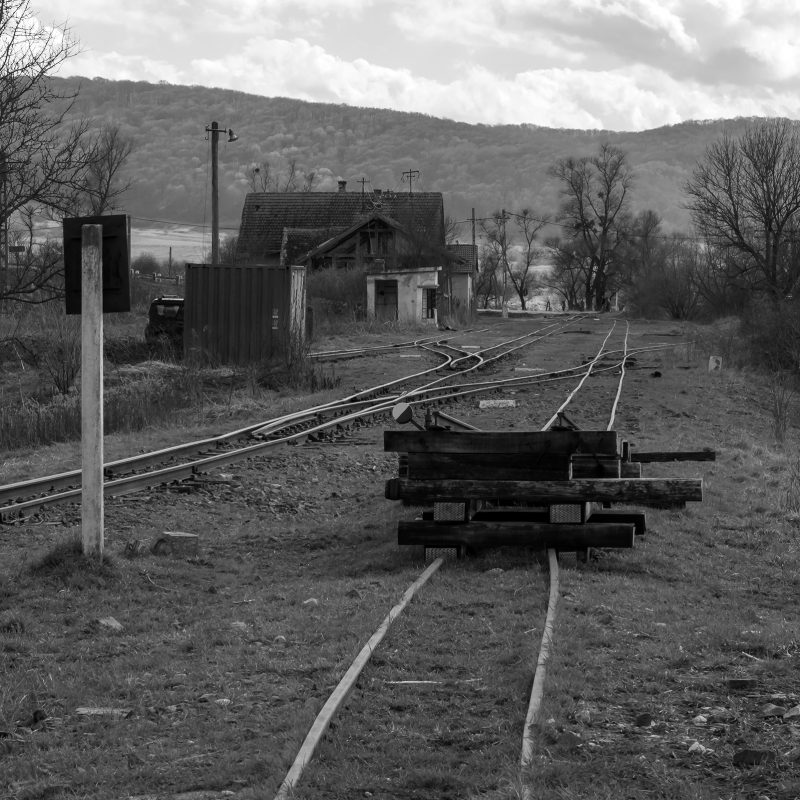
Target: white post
x,y
92,389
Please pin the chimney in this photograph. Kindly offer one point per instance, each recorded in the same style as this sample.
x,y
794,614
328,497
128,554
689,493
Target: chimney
x,y
342,186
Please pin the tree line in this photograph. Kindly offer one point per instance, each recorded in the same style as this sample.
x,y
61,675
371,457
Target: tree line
x,y
744,201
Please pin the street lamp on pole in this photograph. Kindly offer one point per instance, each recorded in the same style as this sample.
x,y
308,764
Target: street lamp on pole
x,y
215,130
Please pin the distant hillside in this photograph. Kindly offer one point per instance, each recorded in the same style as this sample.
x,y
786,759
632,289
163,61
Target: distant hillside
x,y
474,166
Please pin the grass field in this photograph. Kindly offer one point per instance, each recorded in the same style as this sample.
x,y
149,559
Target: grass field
x,y
675,672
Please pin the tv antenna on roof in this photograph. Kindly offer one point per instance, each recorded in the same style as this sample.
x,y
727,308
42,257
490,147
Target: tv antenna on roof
x,y
412,174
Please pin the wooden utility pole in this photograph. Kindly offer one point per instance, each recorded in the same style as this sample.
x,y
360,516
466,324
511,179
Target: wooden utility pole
x,y
504,246
92,501
214,130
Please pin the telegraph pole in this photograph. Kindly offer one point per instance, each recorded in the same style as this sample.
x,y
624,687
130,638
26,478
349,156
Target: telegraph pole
x,y
214,130
505,261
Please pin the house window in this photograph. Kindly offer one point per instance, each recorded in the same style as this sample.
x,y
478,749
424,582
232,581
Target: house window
x,y
428,303
375,243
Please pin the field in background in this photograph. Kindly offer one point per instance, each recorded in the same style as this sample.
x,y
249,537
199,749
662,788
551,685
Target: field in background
x,y
188,242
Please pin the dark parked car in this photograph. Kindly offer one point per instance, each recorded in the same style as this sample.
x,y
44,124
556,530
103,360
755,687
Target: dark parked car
x,y
165,322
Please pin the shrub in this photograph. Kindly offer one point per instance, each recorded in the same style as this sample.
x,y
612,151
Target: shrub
x,y
336,295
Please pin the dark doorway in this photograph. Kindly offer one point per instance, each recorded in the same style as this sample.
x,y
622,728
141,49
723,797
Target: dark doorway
x,y
386,300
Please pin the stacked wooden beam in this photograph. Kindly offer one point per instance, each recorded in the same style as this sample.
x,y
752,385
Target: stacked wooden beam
x,y
544,489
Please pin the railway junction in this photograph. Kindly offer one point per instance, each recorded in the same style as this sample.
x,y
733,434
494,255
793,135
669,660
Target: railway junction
x,y
227,659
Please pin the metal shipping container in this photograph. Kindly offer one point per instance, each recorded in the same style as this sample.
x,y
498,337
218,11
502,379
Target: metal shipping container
x,y
243,314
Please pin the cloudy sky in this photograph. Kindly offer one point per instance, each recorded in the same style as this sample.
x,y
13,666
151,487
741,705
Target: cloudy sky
x,y
613,64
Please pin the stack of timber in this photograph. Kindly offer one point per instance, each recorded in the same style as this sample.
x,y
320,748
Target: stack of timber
x,y
543,489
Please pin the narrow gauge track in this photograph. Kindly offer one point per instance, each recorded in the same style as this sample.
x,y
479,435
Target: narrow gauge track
x,y
181,462
447,706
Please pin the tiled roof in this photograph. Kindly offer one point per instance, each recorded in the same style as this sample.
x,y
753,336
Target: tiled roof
x,y
296,242
265,215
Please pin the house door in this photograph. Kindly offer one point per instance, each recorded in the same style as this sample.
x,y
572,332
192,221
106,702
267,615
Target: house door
x,y
386,300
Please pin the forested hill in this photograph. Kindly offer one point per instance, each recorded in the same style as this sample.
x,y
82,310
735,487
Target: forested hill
x,y
474,166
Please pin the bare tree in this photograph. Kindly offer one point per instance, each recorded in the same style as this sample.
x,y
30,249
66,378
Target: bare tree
x,y
595,211
42,158
522,276
41,154
487,289
268,177
745,196
568,273
498,245
452,229
104,183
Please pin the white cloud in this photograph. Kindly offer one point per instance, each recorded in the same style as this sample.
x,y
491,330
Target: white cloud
x,y
623,64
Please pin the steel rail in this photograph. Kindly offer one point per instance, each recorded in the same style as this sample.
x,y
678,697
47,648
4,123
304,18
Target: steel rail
x,y
22,496
537,689
347,683
304,424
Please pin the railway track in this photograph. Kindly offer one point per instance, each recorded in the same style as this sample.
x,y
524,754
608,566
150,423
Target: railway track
x,y
451,671
168,465
388,677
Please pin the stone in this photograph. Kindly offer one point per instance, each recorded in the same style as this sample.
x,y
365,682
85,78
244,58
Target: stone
x,y
177,544
751,757
792,713
741,684
502,403
771,710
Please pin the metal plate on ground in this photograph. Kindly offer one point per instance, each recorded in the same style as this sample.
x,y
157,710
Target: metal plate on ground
x,y
446,553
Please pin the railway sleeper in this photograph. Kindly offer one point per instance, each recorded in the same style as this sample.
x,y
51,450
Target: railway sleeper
x,y
541,489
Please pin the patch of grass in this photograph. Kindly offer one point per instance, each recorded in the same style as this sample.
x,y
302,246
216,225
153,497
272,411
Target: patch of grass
x,y
65,562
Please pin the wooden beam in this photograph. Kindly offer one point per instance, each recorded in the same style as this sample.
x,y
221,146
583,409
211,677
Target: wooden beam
x,y
520,534
566,441
591,466
629,470
487,466
507,514
624,490
636,518
677,455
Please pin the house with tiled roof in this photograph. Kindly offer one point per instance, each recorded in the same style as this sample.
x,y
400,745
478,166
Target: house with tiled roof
x,y
398,239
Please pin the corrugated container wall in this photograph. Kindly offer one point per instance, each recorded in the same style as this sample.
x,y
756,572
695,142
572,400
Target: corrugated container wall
x,y
242,314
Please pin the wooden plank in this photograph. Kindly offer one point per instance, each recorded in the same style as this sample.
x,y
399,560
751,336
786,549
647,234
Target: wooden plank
x,y
630,470
636,518
584,465
519,534
676,455
506,514
487,466
566,441
666,491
